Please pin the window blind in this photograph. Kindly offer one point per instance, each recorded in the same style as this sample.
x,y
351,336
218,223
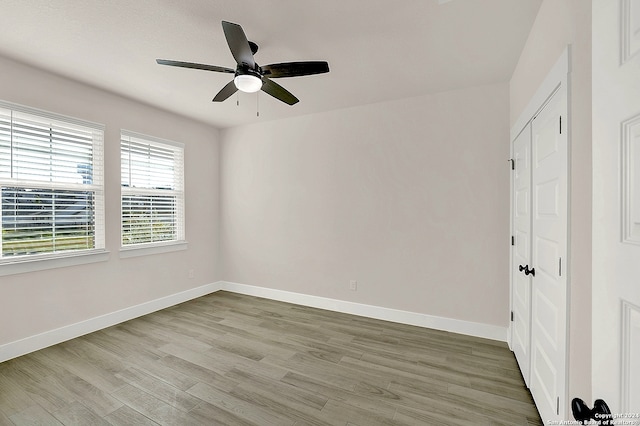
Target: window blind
x,y
51,181
152,190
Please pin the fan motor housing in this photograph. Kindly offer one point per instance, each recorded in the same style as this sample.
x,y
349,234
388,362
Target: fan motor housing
x,y
246,70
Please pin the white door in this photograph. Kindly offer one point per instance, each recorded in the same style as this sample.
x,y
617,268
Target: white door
x,y
548,259
539,252
521,293
616,204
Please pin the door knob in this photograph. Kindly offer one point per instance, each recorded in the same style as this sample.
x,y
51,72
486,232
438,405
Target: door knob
x,y
528,271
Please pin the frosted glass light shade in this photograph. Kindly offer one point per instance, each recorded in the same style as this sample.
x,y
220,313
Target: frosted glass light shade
x,y
248,83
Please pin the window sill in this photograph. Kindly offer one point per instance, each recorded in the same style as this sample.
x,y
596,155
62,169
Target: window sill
x,y
147,249
32,264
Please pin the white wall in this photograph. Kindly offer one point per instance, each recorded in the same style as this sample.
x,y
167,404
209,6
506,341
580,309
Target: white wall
x,y
410,198
559,23
36,302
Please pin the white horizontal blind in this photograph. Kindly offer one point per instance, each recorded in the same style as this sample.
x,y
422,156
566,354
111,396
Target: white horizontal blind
x,y
51,178
152,190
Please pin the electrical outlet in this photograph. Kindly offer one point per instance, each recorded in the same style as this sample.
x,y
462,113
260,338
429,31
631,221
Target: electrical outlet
x,y
353,285
191,273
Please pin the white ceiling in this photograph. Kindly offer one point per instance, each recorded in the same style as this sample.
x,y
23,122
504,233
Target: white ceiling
x,y
377,50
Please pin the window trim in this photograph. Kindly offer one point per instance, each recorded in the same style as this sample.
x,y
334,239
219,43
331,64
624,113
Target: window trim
x,y
51,115
143,249
37,262
152,248
60,260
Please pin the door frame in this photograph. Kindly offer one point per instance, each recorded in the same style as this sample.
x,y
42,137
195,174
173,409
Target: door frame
x,y
558,76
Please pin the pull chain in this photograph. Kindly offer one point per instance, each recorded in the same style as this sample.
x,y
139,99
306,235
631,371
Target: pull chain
x,y
257,104
237,99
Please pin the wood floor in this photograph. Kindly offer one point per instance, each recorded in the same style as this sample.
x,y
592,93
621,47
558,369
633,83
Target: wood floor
x,y
228,359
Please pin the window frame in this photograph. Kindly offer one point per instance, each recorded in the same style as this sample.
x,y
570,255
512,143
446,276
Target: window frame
x,y
162,246
39,261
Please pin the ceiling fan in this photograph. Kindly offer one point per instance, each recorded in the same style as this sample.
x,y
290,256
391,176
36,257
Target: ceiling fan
x,y
249,76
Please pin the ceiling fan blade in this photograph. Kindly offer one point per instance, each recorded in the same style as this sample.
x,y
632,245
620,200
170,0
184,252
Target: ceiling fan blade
x,y
278,92
226,91
238,44
295,69
194,66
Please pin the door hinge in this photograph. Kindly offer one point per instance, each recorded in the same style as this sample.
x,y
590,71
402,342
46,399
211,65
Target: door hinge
x,y
513,163
511,316
560,267
558,406
513,240
560,124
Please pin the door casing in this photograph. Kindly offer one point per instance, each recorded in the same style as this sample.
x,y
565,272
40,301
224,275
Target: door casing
x,y
557,79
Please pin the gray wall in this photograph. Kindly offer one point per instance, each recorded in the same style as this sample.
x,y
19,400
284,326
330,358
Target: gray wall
x,y
36,302
410,198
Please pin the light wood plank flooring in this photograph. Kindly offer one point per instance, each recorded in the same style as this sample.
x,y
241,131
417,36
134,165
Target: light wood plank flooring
x,y
229,359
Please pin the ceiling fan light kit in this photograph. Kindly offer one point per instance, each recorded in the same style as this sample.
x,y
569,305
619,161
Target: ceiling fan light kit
x,y
249,76
247,83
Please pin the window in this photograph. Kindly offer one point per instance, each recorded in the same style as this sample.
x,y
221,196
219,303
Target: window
x,y
152,191
51,180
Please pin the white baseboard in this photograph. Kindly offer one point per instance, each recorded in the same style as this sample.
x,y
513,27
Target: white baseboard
x,y
58,335
468,328
52,337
